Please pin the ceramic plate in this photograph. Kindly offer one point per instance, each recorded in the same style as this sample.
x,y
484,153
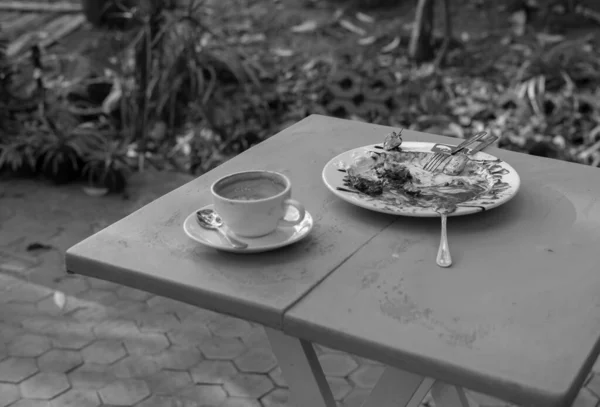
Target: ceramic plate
x,y
496,183
282,236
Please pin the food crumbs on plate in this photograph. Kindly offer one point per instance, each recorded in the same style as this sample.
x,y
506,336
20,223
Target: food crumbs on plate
x,y
398,177
393,141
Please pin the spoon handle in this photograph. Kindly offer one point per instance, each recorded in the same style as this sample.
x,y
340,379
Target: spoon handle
x,y
232,240
443,257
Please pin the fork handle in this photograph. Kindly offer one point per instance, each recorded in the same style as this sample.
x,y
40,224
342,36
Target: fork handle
x,y
444,259
468,142
483,145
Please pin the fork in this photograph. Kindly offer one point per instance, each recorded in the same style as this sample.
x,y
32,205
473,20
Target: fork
x,y
438,158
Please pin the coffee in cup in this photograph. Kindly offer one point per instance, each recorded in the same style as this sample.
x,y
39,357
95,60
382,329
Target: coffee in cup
x,y
255,203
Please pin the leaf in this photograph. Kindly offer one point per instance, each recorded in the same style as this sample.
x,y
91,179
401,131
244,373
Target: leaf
x,y
252,38
307,26
338,14
367,40
364,18
38,246
282,52
456,129
113,99
391,46
519,20
351,27
59,299
545,38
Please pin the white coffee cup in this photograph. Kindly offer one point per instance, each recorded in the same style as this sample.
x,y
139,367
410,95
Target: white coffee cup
x,y
255,203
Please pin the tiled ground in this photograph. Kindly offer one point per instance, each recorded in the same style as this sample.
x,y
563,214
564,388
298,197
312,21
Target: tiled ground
x,y
71,341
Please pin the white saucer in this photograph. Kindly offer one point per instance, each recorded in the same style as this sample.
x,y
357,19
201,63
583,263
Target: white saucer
x,y
282,236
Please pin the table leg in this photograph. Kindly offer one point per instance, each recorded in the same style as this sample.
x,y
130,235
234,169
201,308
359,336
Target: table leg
x,y
301,370
445,395
396,388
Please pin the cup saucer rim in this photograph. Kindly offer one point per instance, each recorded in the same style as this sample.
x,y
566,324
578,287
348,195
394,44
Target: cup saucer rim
x,y
254,244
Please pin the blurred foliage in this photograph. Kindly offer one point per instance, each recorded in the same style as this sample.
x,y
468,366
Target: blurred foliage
x,y
194,85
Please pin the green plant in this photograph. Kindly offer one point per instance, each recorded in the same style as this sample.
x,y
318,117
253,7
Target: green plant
x,y
106,165
18,154
5,67
172,66
61,155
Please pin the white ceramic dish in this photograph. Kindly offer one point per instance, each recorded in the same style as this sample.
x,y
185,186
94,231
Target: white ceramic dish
x,y
282,236
504,184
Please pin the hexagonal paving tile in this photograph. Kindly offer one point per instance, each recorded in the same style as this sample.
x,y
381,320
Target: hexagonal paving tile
x,y
204,394
10,331
277,398
240,402
92,312
585,399
3,349
19,311
134,367
356,397
320,349
339,387
44,385
103,352
60,361
250,385
77,398
102,284
257,360
156,322
277,376
168,382
199,316
72,285
124,392
97,296
168,305
15,370
168,401
51,306
26,292
128,293
594,384
147,344
72,341
43,324
178,358
28,345
367,376
339,365
256,338
482,400
229,327
213,371
70,327
116,329
126,308
9,393
31,403
91,376
221,348
190,335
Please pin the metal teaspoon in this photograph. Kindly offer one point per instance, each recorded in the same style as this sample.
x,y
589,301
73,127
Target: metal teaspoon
x,y
209,219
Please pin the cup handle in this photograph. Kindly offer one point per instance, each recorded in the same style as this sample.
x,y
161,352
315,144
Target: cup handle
x,y
301,212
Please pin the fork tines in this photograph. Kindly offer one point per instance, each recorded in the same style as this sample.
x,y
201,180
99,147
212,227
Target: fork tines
x,y
436,161
439,157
